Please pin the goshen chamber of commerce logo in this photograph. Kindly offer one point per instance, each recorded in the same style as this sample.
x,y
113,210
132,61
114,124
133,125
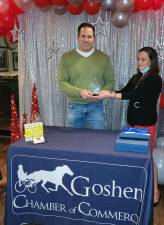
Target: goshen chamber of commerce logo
x,y
30,181
90,197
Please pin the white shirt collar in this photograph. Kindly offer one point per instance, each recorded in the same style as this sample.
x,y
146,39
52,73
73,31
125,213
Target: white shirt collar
x,y
85,54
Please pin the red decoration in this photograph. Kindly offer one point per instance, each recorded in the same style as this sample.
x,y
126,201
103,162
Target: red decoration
x,y
15,128
35,114
59,2
162,101
24,121
15,8
2,31
42,3
9,8
4,6
156,4
7,20
74,9
91,8
143,4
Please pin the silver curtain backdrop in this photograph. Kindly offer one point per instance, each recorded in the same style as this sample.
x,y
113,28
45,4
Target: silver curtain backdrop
x,y
43,38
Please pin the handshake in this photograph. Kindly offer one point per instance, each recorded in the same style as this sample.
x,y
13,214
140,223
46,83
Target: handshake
x,y
89,95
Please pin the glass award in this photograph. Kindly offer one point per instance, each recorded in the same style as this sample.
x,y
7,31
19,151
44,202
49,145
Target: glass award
x,y
95,87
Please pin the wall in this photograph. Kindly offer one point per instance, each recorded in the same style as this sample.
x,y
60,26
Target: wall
x,y
8,86
10,59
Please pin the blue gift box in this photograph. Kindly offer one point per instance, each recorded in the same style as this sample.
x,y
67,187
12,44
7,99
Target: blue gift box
x,y
132,145
135,133
133,140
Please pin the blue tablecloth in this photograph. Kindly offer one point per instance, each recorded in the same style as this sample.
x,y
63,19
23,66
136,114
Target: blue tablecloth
x,y
77,177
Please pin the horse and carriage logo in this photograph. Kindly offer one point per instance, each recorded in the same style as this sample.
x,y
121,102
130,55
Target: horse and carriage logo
x,y
29,181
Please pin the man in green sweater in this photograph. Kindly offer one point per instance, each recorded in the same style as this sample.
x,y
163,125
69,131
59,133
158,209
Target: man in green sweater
x,y
83,72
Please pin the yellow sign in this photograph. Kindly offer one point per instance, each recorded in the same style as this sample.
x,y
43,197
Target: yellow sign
x,y
34,132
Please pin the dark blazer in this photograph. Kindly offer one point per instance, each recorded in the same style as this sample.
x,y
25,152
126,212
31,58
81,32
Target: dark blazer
x,y
142,109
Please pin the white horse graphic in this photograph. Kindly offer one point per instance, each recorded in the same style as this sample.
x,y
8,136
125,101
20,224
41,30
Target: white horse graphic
x,y
55,177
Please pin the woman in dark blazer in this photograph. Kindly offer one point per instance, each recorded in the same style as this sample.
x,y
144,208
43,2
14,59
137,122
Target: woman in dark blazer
x,y
143,91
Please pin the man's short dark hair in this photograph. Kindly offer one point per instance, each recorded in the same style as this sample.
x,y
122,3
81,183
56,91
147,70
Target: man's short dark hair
x,y
86,25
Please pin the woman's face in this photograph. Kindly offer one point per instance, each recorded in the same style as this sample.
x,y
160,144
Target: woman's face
x,y
143,60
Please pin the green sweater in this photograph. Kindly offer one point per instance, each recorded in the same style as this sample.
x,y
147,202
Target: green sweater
x,y
77,72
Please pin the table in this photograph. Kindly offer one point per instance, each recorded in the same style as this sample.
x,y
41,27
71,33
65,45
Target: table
x,y
77,177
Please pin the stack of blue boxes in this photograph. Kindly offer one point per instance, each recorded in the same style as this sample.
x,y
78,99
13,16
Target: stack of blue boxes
x,y
133,140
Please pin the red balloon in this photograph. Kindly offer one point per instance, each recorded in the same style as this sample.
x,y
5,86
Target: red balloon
x,y
42,3
74,9
59,2
2,31
143,4
4,6
91,7
8,20
14,8
156,4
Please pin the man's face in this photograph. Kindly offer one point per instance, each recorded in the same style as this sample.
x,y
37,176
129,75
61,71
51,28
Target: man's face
x,y
86,39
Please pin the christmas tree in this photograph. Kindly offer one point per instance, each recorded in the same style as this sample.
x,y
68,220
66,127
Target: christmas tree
x,y
35,114
15,128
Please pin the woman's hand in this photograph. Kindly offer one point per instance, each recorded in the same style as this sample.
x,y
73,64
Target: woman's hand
x,y
107,94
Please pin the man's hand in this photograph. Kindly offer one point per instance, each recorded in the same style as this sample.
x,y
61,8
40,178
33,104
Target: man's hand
x,y
88,95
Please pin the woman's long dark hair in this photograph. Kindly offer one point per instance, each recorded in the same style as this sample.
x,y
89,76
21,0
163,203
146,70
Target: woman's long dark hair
x,y
154,65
